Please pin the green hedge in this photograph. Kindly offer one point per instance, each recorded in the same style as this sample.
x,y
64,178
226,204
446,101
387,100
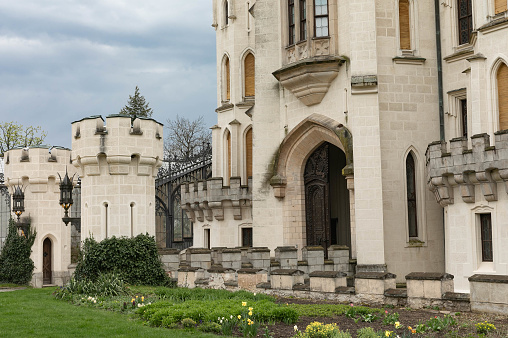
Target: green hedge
x,y
16,266
136,260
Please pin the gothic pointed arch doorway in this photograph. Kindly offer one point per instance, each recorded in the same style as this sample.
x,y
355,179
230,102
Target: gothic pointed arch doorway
x,y
327,207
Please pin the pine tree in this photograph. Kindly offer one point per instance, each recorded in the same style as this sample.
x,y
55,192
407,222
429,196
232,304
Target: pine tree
x,y
137,106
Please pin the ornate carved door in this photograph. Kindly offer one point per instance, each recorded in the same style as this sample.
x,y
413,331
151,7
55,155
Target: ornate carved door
x,y
46,261
317,209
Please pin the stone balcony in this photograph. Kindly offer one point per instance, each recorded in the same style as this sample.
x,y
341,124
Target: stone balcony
x,y
206,200
485,165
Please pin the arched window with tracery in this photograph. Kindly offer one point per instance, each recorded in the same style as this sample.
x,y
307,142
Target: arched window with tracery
x,y
249,78
226,80
502,95
411,195
228,146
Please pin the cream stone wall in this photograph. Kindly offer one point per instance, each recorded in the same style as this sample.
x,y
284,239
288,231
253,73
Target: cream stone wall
x,y
117,162
37,170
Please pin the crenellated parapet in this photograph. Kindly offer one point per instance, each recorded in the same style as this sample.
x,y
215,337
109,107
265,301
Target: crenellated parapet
x,y
117,160
207,200
484,164
130,146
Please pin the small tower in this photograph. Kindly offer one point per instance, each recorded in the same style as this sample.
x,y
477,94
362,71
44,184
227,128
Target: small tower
x,y
117,162
36,170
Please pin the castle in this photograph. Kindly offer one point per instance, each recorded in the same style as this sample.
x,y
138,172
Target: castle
x,y
326,110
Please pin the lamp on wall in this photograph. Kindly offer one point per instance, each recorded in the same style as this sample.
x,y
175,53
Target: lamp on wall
x,y
66,201
18,199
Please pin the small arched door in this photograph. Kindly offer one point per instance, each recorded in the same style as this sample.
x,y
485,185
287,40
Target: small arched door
x,y
46,261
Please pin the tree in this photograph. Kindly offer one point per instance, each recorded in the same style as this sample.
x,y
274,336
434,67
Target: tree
x,y
13,135
185,137
137,106
16,266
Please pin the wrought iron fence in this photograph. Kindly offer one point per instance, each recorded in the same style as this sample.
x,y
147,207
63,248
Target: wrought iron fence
x,y
173,228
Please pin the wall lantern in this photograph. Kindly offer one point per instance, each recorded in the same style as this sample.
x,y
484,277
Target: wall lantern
x,y
66,187
18,199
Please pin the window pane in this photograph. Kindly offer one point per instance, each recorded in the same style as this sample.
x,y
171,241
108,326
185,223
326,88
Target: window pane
x,y
322,26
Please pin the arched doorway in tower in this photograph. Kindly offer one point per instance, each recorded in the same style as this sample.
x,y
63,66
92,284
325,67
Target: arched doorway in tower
x,y
326,198
46,261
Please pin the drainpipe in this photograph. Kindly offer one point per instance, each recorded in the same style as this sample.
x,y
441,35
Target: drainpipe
x,y
439,70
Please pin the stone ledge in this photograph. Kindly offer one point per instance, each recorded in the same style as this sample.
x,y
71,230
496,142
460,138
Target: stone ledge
x,y
250,271
301,287
265,285
396,293
188,269
219,269
503,279
455,296
314,248
168,251
198,251
375,275
338,247
327,274
259,249
347,290
202,281
287,272
286,249
429,276
231,284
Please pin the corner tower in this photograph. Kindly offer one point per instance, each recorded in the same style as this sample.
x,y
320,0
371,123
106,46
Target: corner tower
x,y
117,162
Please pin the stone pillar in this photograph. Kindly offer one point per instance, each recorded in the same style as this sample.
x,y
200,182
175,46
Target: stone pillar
x,y
315,257
287,256
350,182
285,279
327,281
249,278
259,257
489,293
374,283
339,254
170,259
422,287
232,258
199,258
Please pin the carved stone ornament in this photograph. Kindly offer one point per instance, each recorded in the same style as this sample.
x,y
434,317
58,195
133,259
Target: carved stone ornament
x,y
309,79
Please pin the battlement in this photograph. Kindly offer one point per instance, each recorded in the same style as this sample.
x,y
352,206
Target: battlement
x,y
36,164
127,146
484,164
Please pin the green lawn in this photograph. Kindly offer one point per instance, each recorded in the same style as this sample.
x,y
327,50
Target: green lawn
x,y
36,313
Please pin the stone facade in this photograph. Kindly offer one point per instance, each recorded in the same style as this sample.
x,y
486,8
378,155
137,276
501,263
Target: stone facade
x,y
117,161
36,170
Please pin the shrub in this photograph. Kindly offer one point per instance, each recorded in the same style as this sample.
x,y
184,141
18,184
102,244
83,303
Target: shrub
x,y
210,327
136,260
484,328
320,330
16,266
188,323
367,332
107,285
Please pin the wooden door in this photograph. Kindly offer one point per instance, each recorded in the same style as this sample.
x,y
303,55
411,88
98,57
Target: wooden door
x,y
317,209
46,261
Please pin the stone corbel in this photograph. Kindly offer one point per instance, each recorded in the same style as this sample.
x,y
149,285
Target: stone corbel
x,y
188,210
466,187
503,175
237,210
442,190
217,210
206,210
279,186
489,186
198,212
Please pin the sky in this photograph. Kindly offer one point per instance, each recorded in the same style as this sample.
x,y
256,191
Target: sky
x,y
62,60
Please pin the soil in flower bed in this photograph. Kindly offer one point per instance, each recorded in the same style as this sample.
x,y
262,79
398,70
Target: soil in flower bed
x,y
407,317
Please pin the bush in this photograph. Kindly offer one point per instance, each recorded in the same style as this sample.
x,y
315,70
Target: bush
x,y
210,327
188,323
484,328
320,330
107,285
367,332
136,260
16,266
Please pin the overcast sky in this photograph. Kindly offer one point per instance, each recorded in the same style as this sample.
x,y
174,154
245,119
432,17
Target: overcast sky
x,y
62,60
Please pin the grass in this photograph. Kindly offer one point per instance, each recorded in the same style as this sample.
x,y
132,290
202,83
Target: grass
x,y
36,313
10,285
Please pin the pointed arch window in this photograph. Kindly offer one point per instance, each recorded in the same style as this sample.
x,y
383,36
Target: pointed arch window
x,y
248,152
465,21
502,95
228,145
227,80
226,13
411,195
249,69
404,25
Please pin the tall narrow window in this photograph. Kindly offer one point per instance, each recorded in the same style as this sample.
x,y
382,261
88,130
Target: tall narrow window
x,y
411,195
404,27
228,79
303,20
249,66
247,237
486,237
291,21
228,143
132,219
207,239
463,116
500,6
248,152
465,21
226,13
502,96
321,18
106,220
